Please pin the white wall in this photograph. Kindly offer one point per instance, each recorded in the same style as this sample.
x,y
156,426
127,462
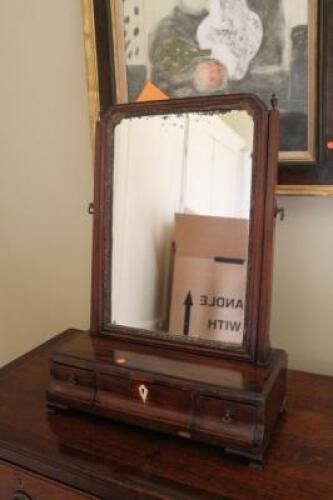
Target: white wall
x,y
46,174
303,284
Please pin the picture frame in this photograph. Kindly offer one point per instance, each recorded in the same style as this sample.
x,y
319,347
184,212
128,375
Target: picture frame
x,y
310,174
166,35
317,179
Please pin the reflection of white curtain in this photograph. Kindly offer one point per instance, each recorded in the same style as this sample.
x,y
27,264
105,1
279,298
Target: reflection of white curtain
x,y
147,183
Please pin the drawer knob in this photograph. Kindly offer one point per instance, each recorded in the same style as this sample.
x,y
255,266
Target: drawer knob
x,y
73,379
21,495
143,391
227,418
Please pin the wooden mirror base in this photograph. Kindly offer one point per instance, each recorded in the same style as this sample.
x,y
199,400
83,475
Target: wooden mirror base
x,y
231,404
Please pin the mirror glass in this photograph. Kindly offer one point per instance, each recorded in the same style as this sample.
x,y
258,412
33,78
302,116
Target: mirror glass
x,y
180,224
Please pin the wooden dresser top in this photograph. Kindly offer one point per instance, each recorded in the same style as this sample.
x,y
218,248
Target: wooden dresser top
x,y
110,460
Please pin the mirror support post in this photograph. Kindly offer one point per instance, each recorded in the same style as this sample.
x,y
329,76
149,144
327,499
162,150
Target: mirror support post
x,y
263,340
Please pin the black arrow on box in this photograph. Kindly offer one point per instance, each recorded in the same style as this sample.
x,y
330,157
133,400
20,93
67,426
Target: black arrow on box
x,y
188,303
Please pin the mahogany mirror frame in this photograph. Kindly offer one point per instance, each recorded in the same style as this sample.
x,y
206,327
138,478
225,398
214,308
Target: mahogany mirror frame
x,y
256,345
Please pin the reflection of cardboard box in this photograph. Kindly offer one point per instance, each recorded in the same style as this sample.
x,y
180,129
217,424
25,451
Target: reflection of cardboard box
x,y
209,279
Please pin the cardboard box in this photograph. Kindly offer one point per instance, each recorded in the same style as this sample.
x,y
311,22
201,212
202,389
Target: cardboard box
x,y
209,278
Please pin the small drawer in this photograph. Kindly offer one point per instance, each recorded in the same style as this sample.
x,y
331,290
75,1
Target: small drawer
x,y
72,375
16,484
225,418
144,398
68,381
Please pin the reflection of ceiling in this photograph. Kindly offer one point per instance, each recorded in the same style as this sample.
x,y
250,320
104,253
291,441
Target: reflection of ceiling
x,y
240,122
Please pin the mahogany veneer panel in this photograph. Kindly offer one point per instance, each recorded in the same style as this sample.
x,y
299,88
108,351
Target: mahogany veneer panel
x,y
18,484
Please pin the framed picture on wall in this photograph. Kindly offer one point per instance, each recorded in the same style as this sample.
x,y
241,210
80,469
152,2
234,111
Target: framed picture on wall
x,y
205,47
150,49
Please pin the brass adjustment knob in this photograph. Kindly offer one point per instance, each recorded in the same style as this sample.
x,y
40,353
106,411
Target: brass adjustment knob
x,y
21,495
227,418
279,212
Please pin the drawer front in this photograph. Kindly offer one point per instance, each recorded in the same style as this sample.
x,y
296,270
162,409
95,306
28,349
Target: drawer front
x,y
68,381
227,419
16,484
154,400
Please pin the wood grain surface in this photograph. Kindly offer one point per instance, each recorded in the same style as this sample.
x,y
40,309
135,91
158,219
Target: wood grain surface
x,y
110,460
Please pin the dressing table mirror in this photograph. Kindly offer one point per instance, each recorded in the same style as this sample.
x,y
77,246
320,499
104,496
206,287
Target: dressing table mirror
x,y
182,267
